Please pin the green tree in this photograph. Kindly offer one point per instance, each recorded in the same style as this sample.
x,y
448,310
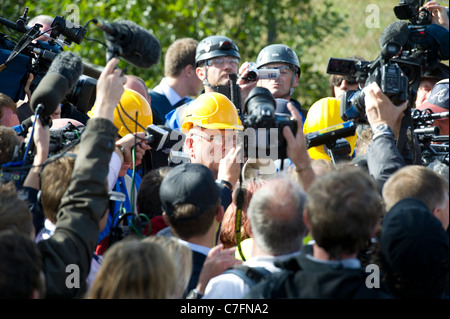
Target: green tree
x,y
300,24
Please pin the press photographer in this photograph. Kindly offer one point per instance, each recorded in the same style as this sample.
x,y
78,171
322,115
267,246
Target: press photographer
x,y
432,125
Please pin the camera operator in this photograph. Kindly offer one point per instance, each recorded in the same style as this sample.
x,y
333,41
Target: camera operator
x,y
438,14
45,21
383,157
430,76
339,84
283,58
23,107
437,102
427,81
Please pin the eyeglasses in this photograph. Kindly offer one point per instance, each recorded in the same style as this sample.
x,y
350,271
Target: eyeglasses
x,y
337,80
284,69
224,138
220,62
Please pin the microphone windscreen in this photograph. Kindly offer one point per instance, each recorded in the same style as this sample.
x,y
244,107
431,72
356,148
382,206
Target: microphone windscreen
x,y
91,71
397,32
49,93
68,65
139,47
27,123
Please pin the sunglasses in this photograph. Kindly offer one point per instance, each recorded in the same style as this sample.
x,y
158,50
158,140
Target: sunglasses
x,y
337,80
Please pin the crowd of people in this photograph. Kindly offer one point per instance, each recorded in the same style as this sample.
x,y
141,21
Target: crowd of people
x,y
113,216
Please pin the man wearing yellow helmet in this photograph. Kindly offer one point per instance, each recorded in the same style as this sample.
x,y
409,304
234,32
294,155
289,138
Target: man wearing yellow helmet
x,y
211,126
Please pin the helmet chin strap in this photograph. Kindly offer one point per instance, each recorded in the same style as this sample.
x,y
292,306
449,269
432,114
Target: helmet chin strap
x,y
291,90
214,88
206,82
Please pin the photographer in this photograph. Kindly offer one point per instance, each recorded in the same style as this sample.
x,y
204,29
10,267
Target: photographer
x,y
339,84
437,102
283,58
86,199
428,80
383,157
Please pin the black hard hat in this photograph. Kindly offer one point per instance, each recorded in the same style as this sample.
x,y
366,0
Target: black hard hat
x,y
278,53
215,46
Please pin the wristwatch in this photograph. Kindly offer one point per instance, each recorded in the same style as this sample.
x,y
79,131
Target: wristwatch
x,y
225,183
382,129
194,294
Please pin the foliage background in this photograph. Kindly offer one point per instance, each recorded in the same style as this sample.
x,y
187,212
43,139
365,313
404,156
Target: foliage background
x,y
315,29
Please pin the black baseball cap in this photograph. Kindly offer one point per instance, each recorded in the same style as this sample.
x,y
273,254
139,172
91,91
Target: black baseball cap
x,y
189,183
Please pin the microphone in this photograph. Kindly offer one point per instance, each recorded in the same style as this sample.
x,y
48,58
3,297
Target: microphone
x,y
397,32
61,77
131,42
162,138
91,71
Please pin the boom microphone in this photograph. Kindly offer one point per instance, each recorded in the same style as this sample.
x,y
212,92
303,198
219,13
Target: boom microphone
x,y
397,31
59,80
131,42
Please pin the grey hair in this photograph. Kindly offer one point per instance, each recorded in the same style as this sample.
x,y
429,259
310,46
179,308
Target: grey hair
x,y
276,216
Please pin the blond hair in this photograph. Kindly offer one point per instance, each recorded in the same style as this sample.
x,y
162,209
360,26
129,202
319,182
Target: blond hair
x,y
134,269
182,257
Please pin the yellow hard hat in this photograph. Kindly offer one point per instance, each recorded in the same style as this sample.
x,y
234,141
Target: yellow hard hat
x,y
323,114
212,111
130,103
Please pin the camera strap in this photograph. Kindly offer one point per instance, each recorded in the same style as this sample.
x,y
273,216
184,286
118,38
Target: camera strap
x,y
408,153
26,39
240,198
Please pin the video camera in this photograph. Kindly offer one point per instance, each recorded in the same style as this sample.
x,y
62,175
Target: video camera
x,y
263,135
410,10
407,50
433,147
427,43
29,55
384,71
61,139
261,74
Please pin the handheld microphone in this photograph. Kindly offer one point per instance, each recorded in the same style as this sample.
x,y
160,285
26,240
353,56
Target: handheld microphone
x,y
60,78
162,138
330,134
131,42
397,31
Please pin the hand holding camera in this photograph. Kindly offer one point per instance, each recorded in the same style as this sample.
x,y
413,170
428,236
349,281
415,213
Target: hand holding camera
x,y
381,110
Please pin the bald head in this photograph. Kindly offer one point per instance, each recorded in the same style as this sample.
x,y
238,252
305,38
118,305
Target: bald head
x,y
137,84
276,217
